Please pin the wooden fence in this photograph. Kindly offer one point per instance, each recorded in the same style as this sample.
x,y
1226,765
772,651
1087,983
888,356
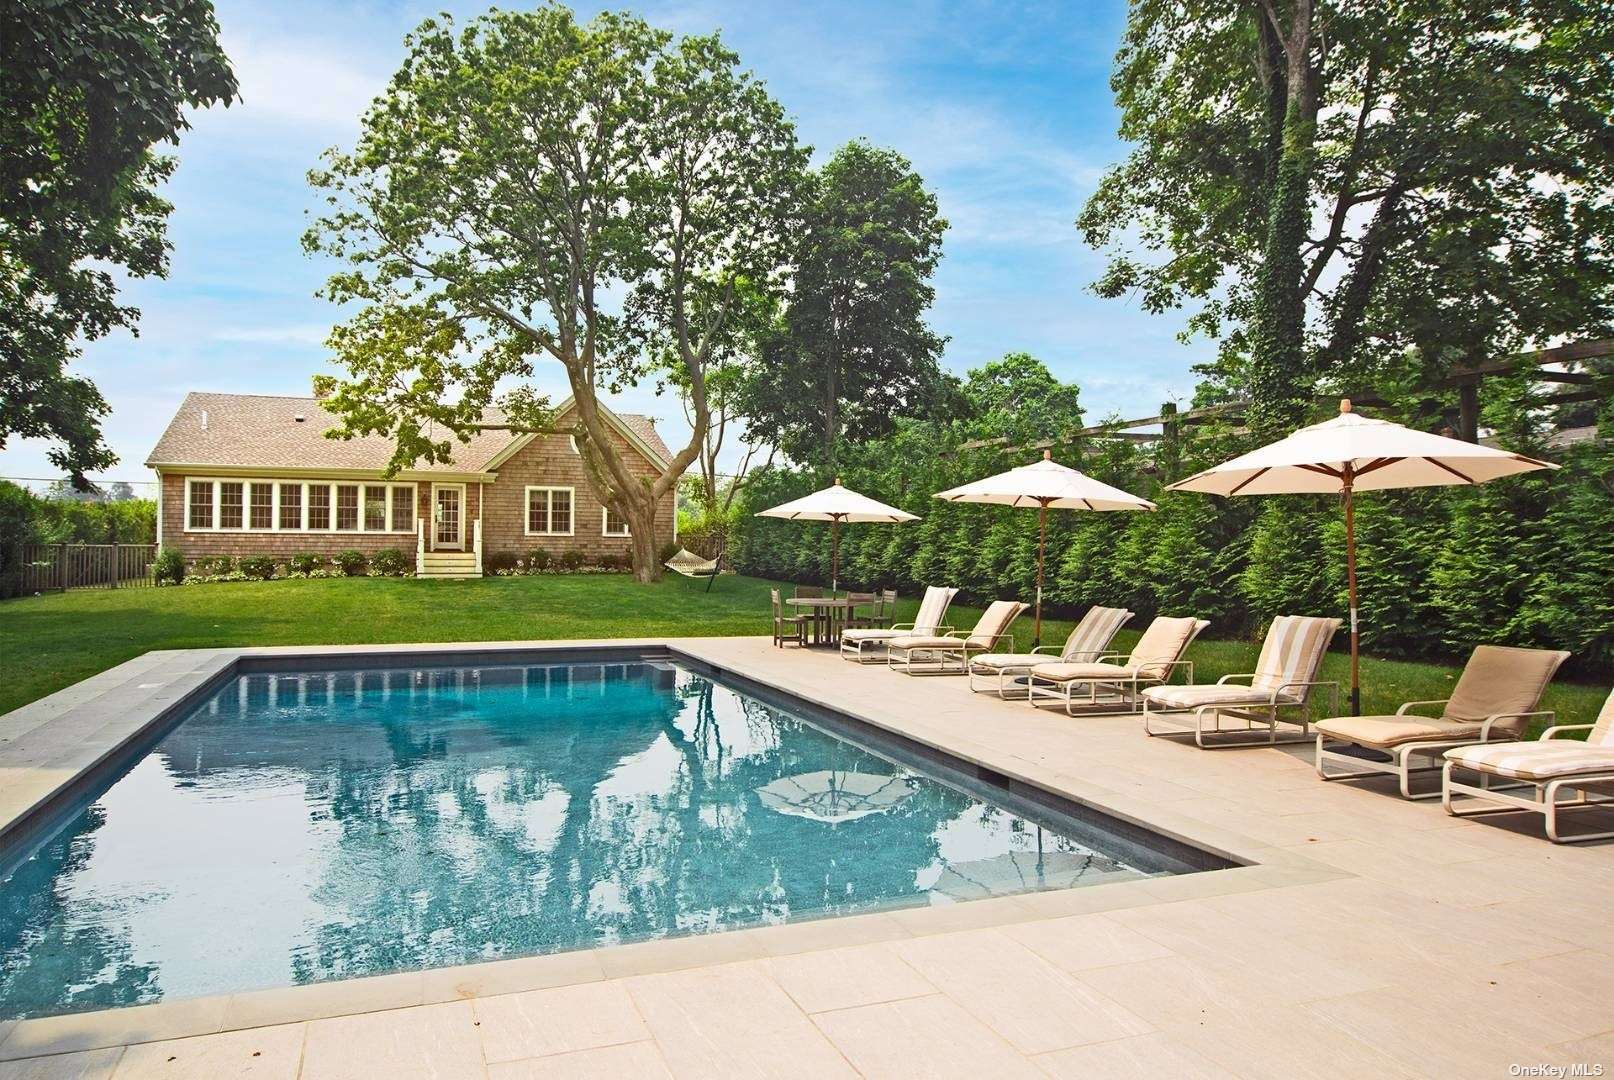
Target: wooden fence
x,y
46,567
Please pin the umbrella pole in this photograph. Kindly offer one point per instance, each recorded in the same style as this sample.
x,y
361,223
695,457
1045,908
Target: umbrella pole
x,y
834,555
1350,583
1042,546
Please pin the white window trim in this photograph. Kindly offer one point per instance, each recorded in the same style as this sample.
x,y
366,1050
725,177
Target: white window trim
x,y
393,490
526,510
605,525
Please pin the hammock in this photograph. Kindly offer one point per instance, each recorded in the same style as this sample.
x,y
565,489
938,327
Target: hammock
x,y
689,564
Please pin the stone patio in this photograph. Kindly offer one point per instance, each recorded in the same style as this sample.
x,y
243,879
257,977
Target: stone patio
x,y
1371,935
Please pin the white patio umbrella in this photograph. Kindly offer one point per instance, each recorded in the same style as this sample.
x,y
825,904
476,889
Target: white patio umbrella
x,y
833,796
1357,453
1045,484
836,504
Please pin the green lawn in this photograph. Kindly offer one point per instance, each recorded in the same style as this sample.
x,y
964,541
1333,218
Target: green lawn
x,y
48,642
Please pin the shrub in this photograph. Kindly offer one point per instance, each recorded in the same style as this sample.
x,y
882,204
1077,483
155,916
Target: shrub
x,y
499,562
539,560
610,561
305,563
168,568
214,566
261,567
571,560
352,563
668,550
388,562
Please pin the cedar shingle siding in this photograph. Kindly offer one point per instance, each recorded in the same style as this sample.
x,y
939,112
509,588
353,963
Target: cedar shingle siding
x,y
245,438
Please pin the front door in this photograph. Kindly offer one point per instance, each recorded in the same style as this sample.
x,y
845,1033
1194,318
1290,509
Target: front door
x,y
448,517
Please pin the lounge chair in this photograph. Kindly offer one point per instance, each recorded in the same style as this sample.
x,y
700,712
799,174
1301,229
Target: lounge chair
x,y
1088,641
1548,765
1494,701
787,627
1279,690
868,643
1156,656
949,654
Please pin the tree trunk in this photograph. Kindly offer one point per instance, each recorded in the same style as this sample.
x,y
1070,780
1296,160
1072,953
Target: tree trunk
x,y
641,519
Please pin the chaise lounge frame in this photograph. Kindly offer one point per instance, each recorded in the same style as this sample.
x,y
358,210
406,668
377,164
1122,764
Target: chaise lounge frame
x,y
1126,691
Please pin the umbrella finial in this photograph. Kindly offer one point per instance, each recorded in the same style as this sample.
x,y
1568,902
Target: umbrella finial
x,y
1344,405
1047,455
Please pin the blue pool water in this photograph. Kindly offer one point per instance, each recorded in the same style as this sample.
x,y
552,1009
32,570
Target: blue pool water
x,y
302,827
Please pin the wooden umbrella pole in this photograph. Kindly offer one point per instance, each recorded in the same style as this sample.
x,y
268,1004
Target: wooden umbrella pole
x,y
1042,547
1350,583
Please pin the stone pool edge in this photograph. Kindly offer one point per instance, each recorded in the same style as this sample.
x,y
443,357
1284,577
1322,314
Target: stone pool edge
x,y
93,722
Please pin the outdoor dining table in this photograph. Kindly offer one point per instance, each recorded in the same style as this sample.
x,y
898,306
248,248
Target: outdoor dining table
x,y
827,615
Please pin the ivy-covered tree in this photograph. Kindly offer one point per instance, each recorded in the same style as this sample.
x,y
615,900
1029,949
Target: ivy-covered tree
x,y
1345,192
852,351
530,187
90,87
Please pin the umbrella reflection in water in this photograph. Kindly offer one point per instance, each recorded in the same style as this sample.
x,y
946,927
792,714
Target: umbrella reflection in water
x,y
833,796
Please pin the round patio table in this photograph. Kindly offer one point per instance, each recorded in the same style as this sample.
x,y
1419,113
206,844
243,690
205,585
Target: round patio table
x,y
828,614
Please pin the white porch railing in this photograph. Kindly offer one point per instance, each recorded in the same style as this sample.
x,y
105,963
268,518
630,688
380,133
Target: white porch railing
x,y
420,548
476,544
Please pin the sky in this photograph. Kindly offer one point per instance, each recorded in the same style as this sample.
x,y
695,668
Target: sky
x,y
1004,108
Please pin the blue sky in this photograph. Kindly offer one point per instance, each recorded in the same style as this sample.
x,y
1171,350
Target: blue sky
x,y
1004,108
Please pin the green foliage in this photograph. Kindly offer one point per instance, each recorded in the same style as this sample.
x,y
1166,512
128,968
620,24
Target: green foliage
x,y
214,566
90,87
168,568
539,559
305,563
389,562
852,351
258,567
499,562
351,562
572,560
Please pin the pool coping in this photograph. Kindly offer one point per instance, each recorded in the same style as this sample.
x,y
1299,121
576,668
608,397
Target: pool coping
x,y
51,748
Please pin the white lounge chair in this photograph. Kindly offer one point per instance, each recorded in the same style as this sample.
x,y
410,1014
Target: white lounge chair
x,y
1114,681
863,644
1548,766
949,654
1279,690
1088,641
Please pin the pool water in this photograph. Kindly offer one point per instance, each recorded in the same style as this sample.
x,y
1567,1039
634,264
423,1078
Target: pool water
x,y
303,827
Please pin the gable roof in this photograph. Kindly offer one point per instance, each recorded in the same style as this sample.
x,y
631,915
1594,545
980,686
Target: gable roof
x,y
260,431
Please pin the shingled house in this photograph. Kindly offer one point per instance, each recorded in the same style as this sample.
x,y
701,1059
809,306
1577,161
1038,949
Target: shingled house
x,y
246,474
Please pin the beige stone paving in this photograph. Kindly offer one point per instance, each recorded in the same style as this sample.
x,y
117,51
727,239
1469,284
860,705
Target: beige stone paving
x,y
1375,937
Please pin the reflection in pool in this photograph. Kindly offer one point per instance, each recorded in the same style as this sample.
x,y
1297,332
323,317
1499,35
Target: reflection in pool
x,y
310,826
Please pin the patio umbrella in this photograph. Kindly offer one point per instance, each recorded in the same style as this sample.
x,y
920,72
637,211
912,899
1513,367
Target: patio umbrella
x,y
836,504
1045,484
833,796
1357,453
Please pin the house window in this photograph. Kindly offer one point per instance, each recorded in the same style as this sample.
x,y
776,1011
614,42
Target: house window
x,y
403,508
375,508
319,506
613,525
549,511
291,506
200,513
231,494
263,506
347,507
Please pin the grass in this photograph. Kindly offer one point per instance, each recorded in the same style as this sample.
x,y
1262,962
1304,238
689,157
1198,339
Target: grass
x,y
48,642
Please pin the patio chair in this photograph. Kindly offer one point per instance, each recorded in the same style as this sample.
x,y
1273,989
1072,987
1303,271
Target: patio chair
x,y
808,592
1155,657
786,627
1279,689
948,654
854,600
880,616
1494,701
868,643
1088,641
1548,766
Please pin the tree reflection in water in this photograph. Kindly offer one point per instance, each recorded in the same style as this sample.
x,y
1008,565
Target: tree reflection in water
x,y
348,824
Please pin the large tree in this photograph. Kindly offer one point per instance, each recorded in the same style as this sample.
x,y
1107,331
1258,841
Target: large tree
x,y
1353,194
852,351
532,187
89,88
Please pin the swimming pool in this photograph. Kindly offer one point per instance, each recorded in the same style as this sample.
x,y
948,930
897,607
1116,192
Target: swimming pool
x,y
305,826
